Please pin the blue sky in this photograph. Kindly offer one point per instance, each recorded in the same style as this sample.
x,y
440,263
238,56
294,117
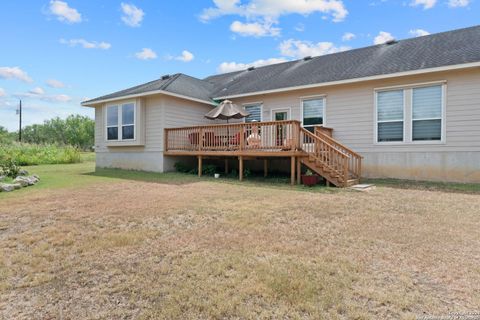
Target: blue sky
x,y
56,53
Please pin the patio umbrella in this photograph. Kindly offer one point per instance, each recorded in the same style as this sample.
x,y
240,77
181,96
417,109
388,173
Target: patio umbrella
x,y
226,110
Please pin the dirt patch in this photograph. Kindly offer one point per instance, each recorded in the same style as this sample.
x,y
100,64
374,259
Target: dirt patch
x,y
135,250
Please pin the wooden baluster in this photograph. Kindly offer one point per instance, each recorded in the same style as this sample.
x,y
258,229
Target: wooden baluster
x,y
242,138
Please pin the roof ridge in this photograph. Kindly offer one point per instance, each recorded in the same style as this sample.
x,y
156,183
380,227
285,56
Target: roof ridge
x,y
171,80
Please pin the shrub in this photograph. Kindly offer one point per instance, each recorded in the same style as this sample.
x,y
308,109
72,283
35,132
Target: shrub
x,y
23,154
8,167
209,169
181,167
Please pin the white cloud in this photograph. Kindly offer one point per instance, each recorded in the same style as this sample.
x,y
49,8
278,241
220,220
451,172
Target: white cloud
x,y
86,44
37,91
300,49
14,73
2,92
427,4
186,56
419,32
133,16
64,12
146,54
255,29
57,98
383,37
234,66
55,83
300,27
347,36
458,3
39,94
272,9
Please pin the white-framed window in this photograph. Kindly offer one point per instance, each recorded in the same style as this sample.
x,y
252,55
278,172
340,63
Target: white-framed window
x,y
427,113
413,113
120,124
255,112
313,110
390,115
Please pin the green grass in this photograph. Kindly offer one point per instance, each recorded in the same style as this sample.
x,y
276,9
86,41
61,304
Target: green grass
x,y
84,174
426,185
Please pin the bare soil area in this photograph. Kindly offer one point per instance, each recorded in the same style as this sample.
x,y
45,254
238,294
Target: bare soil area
x,y
203,250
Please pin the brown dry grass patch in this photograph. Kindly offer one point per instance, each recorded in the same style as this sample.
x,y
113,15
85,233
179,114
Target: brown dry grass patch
x,y
135,250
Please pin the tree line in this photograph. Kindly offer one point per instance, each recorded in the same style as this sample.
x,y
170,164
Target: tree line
x,y
75,130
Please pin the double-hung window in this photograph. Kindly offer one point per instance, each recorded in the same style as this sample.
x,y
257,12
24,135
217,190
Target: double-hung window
x,y
313,112
414,113
121,122
390,116
427,113
255,112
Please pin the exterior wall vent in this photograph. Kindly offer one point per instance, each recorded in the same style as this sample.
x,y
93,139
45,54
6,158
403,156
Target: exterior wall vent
x,y
165,77
307,58
251,69
390,42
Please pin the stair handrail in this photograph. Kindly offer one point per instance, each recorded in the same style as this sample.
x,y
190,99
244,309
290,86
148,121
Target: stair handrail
x,y
337,144
315,137
355,162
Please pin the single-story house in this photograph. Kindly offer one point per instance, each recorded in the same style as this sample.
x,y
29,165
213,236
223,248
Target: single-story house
x,y
406,109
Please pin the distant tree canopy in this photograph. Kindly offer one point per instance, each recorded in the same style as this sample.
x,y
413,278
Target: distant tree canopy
x,y
5,136
75,131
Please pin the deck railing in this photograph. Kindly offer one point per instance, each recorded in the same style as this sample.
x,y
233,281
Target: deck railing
x,y
334,160
354,159
329,158
261,136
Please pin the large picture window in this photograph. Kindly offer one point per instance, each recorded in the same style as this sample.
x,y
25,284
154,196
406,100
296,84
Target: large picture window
x,y
390,116
255,111
313,111
121,122
427,113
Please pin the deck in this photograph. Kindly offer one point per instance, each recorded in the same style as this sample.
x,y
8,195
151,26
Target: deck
x,y
318,151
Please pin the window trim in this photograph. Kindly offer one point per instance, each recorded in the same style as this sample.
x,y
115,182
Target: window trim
x,y
324,113
120,124
288,110
403,120
253,104
407,89
442,119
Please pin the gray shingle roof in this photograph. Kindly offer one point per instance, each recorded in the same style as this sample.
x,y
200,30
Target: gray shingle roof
x,y
178,84
437,50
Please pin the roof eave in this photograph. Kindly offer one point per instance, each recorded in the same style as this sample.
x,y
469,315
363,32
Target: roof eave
x,y
354,80
92,103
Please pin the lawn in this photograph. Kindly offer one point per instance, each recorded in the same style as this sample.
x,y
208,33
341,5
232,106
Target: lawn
x,y
128,245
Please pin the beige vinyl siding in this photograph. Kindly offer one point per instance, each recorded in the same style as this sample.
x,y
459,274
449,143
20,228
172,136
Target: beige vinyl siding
x,y
158,112
350,111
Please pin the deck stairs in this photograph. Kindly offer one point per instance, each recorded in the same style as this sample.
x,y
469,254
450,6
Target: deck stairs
x,y
336,163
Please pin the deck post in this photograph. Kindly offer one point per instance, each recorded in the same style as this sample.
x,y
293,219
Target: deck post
x,y
265,168
199,166
226,166
299,170
292,170
240,168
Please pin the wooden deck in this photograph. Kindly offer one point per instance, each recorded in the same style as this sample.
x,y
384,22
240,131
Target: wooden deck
x,y
335,162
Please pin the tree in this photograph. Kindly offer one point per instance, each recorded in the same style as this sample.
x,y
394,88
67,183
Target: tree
x,y
5,136
75,130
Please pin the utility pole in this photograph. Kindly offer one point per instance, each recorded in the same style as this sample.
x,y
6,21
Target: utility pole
x,y
19,112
